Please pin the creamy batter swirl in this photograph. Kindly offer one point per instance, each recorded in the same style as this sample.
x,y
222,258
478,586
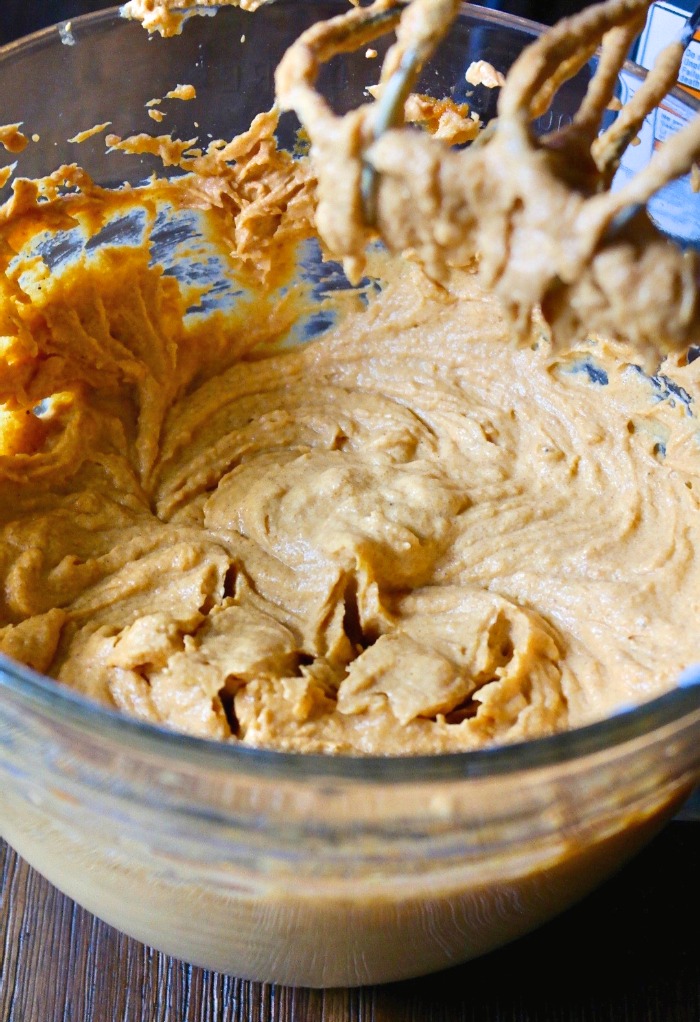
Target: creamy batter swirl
x,y
407,536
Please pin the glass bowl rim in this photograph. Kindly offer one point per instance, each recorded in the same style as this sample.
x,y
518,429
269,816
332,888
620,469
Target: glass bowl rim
x,y
45,695
113,13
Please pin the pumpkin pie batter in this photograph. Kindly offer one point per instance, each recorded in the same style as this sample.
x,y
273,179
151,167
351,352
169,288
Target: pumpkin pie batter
x,y
411,535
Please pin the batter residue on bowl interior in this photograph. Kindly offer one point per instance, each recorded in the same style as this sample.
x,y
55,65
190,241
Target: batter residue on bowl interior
x,y
167,16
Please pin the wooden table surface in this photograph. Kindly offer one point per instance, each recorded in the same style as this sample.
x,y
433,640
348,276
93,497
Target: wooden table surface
x,y
629,953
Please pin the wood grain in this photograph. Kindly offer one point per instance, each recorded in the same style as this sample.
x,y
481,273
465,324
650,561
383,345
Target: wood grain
x,y
630,952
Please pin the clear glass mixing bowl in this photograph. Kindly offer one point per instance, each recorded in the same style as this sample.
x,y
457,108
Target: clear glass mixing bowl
x,y
280,867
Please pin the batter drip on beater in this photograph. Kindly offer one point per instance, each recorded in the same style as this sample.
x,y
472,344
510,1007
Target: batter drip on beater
x,y
536,212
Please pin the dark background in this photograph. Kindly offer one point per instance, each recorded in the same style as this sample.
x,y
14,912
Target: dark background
x,y
19,17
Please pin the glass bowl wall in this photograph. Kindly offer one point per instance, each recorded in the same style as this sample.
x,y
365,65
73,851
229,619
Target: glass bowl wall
x,y
305,870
